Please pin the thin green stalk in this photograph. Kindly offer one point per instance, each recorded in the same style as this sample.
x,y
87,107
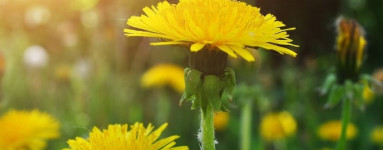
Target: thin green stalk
x,y
207,128
163,107
246,126
346,115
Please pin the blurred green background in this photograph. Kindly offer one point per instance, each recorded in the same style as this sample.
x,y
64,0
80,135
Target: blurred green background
x,y
90,72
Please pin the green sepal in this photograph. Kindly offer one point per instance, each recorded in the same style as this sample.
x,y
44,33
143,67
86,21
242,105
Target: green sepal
x,y
225,101
358,95
196,103
349,89
336,94
192,80
330,80
230,82
212,91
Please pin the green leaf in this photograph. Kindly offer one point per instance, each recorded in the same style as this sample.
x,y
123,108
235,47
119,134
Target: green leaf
x,y
212,91
336,94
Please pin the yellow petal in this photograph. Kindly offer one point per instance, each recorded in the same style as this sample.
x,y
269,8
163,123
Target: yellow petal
x,y
243,53
168,43
196,47
227,50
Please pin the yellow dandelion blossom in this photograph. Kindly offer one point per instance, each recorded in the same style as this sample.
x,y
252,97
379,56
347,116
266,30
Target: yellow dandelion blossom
x,y
164,75
276,126
331,130
27,130
221,119
377,135
118,137
228,25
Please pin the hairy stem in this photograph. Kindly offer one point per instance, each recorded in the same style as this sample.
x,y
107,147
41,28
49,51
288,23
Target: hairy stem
x,y
207,128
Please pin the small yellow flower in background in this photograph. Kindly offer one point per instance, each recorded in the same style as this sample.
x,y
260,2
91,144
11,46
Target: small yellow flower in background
x,y
276,126
63,72
221,119
164,75
368,94
377,135
227,25
118,137
30,130
331,130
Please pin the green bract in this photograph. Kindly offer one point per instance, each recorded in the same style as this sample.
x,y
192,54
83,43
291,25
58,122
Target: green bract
x,y
204,90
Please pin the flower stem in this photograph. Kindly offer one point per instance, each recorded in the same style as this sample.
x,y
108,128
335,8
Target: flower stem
x,y
346,113
207,128
246,126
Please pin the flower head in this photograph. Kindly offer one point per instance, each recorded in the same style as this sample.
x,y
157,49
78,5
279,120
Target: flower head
x,y
118,137
377,135
350,46
36,57
221,119
26,130
331,130
227,25
163,75
276,126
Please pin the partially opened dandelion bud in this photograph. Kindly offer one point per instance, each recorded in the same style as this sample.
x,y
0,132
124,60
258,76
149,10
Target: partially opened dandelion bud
x,y
350,47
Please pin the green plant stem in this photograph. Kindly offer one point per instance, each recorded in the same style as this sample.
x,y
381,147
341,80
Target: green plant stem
x,y
346,115
163,107
246,126
207,128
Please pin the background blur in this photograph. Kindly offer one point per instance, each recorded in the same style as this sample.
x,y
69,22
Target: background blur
x,y
70,58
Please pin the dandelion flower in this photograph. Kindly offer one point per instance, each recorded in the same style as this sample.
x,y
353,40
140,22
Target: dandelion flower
x,y
276,126
331,130
227,25
27,130
118,137
221,119
377,135
164,75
